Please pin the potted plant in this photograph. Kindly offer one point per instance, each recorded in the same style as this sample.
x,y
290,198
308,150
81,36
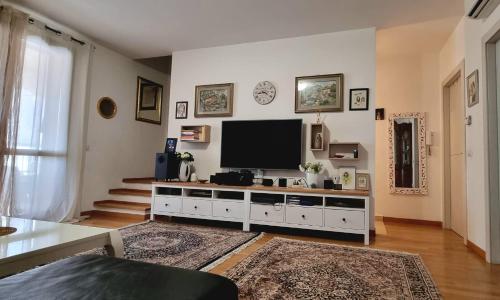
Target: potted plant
x,y
186,159
312,171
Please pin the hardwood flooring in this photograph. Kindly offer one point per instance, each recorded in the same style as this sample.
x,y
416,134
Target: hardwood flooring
x,y
458,272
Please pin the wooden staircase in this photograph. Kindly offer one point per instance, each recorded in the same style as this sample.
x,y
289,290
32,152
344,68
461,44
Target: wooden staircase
x,y
131,201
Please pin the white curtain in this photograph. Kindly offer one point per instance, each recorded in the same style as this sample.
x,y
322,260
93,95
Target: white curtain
x,y
50,149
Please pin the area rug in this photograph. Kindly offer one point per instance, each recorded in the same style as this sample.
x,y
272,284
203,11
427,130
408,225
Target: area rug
x,y
179,245
291,269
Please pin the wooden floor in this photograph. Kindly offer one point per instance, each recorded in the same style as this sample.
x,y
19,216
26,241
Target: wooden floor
x,y
459,273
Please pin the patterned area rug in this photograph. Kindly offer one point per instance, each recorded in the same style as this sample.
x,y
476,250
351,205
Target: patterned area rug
x,y
179,245
290,269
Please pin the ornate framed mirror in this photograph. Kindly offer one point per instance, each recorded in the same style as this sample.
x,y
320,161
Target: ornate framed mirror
x,y
407,154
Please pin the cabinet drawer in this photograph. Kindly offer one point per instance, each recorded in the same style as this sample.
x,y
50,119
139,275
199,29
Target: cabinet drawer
x,y
197,207
271,213
168,204
228,209
304,215
348,219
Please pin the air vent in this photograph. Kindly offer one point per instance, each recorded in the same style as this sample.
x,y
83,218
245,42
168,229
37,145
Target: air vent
x,y
482,8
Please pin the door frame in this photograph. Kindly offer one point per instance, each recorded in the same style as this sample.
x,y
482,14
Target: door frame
x,y
458,73
489,73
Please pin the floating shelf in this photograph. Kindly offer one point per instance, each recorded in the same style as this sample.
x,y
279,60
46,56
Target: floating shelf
x,y
195,134
315,130
343,151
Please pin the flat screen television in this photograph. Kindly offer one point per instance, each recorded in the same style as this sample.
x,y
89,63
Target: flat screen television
x,y
262,144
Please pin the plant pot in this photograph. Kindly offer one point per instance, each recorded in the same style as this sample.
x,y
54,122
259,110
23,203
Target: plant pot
x,y
312,180
184,171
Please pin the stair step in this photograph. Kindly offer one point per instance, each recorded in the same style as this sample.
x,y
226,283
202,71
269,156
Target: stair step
x,y
130,192
144,207
138,180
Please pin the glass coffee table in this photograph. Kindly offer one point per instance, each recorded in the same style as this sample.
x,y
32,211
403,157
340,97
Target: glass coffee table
x,y
26,243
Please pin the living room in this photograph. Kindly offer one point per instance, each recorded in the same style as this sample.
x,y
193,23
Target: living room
x,y
261,150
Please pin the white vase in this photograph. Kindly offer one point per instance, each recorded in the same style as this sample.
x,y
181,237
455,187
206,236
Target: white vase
x,y
184,171
312,180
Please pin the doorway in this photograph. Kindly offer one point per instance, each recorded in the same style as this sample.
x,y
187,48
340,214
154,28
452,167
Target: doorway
x,y
491,43
455,204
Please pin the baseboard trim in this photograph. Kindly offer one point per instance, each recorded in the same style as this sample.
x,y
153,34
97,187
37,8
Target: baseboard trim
x,y
476,249
111,214
412,221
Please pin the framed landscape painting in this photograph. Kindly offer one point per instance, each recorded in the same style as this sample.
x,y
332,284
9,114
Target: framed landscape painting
x,y
214,100
321,93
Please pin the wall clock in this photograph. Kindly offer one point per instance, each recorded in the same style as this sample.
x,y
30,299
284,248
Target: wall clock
x,y
264,92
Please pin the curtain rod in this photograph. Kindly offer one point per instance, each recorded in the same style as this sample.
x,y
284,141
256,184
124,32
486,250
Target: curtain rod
x,y
57,32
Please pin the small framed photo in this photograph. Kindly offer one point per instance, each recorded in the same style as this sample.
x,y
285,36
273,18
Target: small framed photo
x,y
362,181
214,100
348,178
358,99
473,88
380,114
181,110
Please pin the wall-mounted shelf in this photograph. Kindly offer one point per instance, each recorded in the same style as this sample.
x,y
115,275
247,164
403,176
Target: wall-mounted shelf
x,y
315,130
343,151
195,134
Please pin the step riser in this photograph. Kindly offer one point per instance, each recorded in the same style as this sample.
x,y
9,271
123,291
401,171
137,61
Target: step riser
x,y
139,199
118,210
139,186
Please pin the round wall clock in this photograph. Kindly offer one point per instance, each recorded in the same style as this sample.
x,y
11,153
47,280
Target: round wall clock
x,y
264,92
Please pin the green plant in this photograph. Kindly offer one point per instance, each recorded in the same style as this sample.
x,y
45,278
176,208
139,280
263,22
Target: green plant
x,y
312,167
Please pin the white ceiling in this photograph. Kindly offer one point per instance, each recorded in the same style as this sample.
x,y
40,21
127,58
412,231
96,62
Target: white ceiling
x,y
149,28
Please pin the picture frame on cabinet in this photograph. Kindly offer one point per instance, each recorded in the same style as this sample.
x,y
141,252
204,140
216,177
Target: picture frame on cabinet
x,y
348,178
359,99
362,181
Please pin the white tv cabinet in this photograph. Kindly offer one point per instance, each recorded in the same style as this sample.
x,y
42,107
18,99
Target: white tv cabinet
x,y
337,211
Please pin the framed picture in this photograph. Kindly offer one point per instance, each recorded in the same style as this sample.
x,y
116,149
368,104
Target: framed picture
x,y
322,93
348,178
214,100
181,110
358,99
473,88
149,101
380,114
362,181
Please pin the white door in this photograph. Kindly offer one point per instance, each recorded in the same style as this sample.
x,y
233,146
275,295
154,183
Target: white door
x,y
457,159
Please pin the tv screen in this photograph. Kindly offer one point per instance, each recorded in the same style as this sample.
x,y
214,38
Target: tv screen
x,y
262,144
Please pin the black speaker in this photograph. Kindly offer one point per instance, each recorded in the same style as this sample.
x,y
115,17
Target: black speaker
x,y
166,166
267,182
328,184
282,182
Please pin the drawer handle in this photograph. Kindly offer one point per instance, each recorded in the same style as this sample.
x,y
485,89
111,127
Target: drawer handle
x,y
227,209
265,213
195,207
344,220
303,216
166,204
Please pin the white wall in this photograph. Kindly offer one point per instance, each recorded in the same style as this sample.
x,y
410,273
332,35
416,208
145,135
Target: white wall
x,y
453,52
476,143
119,147
279,61
408,82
